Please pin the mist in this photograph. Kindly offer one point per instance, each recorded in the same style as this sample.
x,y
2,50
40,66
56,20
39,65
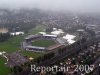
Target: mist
x,y
92,6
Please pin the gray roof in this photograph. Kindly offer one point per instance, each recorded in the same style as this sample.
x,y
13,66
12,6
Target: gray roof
x,y
36,47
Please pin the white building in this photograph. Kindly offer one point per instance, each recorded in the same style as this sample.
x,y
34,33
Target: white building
x,y
16,33
57,31
69,38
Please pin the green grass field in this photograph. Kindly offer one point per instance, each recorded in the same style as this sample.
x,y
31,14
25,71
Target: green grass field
x,y
13,44
4,70
9,46
43,43
31,54
38,28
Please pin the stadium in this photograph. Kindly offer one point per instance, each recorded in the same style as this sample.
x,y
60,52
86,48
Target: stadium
x,y
43,42
39,43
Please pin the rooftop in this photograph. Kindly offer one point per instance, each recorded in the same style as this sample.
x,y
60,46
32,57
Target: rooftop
x,y
57,32
69,38
50,35
36,47
54,46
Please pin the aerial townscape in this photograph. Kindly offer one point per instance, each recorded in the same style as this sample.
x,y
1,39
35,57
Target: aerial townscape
x,y
49,38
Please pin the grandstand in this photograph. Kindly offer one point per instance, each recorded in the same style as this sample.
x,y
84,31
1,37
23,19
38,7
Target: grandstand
x,y
32,37
35,48
61,41
54,47
50,36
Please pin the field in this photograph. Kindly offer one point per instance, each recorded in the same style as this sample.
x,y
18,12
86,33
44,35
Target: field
x,y
12,45
31,54
38,28
3,69
43,43
9,46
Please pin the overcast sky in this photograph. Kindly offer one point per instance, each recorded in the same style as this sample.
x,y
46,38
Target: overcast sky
x,y
72,5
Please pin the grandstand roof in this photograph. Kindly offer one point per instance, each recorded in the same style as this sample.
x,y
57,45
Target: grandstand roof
x,y
42,33
61,40
35,47
50,35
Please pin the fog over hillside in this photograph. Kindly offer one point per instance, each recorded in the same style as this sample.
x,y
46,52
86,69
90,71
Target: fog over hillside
x,y
92,6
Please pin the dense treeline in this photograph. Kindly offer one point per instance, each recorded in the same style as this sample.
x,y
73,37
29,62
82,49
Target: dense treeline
x,y
4,36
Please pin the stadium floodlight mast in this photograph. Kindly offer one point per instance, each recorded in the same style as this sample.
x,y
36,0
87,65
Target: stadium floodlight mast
x,y
80,31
